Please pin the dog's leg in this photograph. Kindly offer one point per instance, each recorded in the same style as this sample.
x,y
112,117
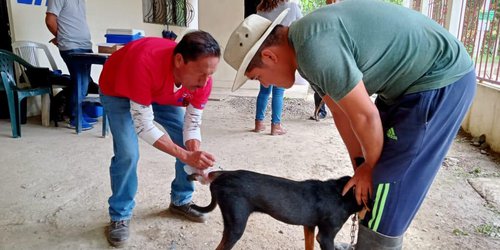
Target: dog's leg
x,y
326,235
309,237
235,220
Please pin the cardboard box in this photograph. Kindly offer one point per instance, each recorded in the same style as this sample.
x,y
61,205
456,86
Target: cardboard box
x,y
108,48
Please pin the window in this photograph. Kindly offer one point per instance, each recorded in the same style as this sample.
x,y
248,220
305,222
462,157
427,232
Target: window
x,y
167,12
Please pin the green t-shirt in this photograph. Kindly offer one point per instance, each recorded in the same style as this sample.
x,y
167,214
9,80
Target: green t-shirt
x,y
393,49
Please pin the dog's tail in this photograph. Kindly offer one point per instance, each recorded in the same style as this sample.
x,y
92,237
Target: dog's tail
x,y
208,208
211,176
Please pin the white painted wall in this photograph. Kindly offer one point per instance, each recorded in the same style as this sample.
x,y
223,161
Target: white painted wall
x,y
484,115
220,18
28,23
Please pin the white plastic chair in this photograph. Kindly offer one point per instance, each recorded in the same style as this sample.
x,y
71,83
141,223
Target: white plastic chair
x,y
33,52
36,54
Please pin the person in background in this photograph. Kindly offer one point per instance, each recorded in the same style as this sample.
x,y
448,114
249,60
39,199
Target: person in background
x,y
156,79
424,80
319,108
66,20
270,9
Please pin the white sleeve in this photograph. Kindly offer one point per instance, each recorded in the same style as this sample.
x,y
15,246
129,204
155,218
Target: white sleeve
x,y
192,123
143,122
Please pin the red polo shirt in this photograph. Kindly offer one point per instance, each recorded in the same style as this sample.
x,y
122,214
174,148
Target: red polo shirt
x,y
142,72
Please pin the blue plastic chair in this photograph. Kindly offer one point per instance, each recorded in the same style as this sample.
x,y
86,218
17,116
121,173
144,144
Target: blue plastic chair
x,y
16,93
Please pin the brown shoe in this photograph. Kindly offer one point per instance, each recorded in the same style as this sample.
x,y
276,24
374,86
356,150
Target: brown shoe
x,y
188,211
259,126
277,129
117,233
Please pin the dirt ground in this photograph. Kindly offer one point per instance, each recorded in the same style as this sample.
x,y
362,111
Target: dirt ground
x,y
55,186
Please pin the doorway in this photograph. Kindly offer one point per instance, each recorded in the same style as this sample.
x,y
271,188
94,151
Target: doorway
x,y
251,7
5,44
5,39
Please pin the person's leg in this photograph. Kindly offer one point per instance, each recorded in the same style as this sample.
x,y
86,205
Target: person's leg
x,y
172,120
418,132
260,107
317,103
72,67
319,107
277,105
123,169
277,108
322,111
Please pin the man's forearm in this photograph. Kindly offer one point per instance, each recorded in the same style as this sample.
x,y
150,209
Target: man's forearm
x,y
345,130
363,116
165,144
370,135
51,22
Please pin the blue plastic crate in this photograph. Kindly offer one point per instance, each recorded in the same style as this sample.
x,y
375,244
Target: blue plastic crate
x,y
92,109
114,38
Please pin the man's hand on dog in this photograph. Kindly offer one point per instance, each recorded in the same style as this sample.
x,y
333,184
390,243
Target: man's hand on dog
x,y
196,158
362,184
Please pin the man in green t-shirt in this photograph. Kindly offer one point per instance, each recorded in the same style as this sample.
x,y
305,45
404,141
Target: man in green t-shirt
x,y
423,78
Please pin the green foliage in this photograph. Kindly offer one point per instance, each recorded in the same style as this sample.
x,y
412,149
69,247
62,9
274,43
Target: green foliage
x,y
476,171
459,232
398,2
489,230
310,5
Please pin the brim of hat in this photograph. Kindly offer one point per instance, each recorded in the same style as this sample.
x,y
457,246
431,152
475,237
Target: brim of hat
x,y
240,78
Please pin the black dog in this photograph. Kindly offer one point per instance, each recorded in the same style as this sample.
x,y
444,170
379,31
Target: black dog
x,y
311,203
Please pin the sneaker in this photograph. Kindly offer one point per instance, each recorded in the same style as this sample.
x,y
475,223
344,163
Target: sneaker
x,y
319,117
188,211
117,232
85,125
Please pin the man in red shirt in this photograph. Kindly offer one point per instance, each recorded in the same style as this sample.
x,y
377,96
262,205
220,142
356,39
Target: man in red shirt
x,y
155,79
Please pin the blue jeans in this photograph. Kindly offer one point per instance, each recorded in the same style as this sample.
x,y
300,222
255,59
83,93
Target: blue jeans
x,y
72,67
276,106
123,169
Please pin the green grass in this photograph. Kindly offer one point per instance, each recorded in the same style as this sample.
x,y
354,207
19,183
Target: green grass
x,y
459,232
476,171
489,230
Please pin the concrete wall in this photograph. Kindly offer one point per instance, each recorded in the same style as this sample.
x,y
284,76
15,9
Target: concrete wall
x,y
484,115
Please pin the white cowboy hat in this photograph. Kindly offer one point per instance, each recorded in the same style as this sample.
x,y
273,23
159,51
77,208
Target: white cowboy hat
x,y
244,42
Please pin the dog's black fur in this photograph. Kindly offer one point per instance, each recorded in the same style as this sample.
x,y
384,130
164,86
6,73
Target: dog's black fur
x,y
311,203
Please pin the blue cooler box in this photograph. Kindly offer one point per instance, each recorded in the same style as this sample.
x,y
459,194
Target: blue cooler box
x,y
115,38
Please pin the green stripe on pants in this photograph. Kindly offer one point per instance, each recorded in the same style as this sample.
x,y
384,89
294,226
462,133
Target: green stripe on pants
x,y
378,208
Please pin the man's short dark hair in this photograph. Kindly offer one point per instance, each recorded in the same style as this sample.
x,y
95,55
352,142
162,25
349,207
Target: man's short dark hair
x,y
197,44
276,37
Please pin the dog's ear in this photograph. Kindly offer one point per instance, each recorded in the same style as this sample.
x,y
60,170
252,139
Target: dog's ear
x,y
192,177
